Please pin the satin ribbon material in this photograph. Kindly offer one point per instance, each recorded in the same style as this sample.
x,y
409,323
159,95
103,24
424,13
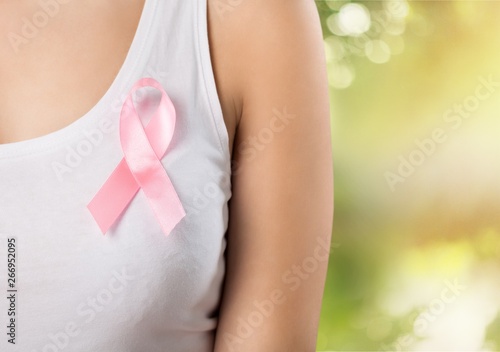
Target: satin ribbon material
x,y
141,167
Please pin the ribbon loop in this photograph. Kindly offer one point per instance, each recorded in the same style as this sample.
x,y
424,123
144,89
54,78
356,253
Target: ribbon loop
x,y
141,167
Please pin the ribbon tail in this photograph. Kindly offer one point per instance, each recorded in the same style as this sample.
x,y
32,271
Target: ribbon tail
x,y
113,197
163,199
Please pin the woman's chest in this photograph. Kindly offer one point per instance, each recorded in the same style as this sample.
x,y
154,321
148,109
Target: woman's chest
x,y
54,72
57,60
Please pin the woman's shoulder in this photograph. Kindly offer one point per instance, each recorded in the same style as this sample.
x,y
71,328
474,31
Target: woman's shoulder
x,y
250,37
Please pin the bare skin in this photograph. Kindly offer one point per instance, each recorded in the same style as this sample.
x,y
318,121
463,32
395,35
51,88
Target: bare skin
x,y
268,54
267,57
65,69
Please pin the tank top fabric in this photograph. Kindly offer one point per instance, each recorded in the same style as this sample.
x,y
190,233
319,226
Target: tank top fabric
x,y
68,287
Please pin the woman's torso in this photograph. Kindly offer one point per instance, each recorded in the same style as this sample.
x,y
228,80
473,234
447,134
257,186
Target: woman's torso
x,y
134,288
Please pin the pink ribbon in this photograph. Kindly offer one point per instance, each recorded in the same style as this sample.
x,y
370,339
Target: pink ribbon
x,y
141,167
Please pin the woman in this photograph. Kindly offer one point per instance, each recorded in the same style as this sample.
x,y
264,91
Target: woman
x,y
243,265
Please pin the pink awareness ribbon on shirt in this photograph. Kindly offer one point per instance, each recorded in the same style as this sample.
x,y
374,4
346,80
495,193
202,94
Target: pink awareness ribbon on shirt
x,y
141,167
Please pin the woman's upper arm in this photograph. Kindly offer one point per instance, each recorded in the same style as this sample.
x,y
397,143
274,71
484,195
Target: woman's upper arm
x,y
281,210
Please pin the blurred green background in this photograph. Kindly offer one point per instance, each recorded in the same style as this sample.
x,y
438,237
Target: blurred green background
x,y
415,96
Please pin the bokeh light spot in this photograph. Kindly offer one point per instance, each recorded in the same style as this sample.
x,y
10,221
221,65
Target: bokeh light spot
x,y
353,19
340,76
378,51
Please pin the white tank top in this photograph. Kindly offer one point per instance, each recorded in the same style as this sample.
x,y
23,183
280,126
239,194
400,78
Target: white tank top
x,y
68,287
